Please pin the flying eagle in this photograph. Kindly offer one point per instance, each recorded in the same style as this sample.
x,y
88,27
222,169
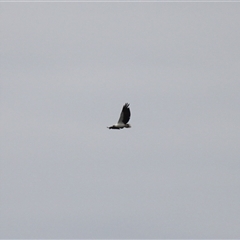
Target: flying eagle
x,y
124,118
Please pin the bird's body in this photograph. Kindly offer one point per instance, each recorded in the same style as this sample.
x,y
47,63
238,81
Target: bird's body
x,y
124,118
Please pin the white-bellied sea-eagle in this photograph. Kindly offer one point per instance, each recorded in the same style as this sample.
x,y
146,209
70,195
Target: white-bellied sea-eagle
x,y
124,118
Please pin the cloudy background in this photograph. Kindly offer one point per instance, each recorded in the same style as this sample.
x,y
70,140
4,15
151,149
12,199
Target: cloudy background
x,y
66,71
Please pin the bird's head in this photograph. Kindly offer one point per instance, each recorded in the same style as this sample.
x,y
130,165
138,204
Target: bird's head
x,y
113,127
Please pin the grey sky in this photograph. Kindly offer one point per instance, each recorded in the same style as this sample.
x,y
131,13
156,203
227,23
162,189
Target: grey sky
x,y
66,71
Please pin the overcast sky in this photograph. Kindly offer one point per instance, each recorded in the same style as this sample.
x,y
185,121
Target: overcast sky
x,y
66,71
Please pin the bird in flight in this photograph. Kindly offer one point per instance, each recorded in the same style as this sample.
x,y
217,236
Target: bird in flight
x,y
124,118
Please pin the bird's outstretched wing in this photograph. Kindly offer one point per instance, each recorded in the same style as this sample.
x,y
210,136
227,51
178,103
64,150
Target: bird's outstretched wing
x,y
125,114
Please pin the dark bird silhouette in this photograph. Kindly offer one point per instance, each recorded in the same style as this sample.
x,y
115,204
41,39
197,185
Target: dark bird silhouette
x,y
124,118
